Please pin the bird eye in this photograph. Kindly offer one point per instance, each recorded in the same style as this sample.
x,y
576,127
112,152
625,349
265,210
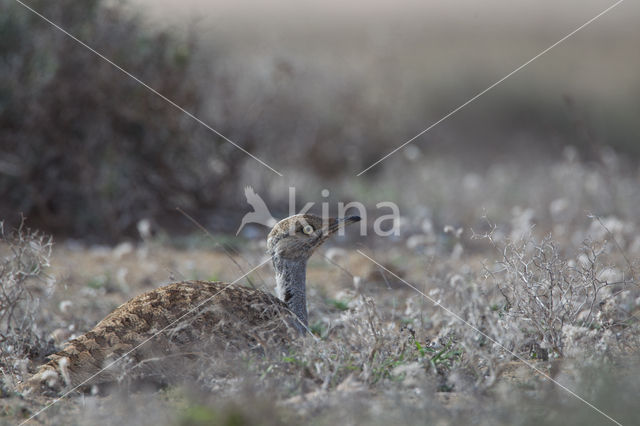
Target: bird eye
x,y
308,229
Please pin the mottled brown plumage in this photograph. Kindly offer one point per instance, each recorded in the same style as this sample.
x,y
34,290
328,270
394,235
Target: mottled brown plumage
x,y
161,328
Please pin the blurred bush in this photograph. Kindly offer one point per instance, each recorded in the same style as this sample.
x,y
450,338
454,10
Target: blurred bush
x,y
86,150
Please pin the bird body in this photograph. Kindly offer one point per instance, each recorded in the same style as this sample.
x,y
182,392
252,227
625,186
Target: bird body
x,y
158,324
179,320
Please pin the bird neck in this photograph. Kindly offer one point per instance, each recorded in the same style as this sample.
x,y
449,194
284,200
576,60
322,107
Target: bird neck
x,y
291,276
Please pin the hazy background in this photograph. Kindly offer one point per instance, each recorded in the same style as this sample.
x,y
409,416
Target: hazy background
x,y
319,91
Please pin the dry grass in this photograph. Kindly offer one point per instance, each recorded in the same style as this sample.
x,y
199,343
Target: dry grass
x,y
381,352
25,287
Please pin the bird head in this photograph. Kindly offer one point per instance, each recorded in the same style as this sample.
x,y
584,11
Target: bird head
x,y
296,237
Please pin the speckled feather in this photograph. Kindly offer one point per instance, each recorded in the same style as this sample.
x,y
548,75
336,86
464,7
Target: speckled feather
x,y
235,316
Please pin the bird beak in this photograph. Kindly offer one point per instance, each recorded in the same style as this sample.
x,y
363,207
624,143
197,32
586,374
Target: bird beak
x,y
336,224
347,220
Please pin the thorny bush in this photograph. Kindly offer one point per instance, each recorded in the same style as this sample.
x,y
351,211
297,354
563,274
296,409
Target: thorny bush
x,y
23,282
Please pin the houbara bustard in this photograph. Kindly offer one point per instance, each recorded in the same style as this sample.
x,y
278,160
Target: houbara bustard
x,y
235,317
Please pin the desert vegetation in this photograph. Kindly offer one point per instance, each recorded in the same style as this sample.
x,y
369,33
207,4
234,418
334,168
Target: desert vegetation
x,y
511,295
496,313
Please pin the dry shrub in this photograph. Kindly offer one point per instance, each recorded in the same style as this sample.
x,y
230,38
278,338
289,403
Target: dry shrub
x,y
536,302
24,281
558,297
